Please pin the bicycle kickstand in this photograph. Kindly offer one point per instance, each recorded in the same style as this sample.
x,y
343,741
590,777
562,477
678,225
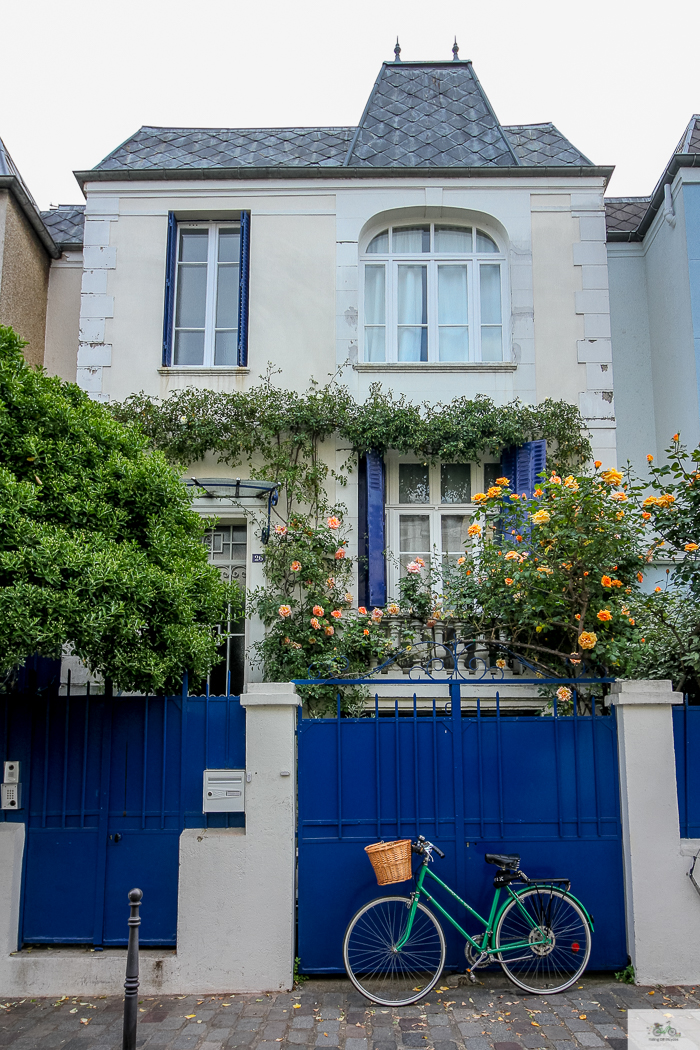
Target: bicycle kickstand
x,y
470,972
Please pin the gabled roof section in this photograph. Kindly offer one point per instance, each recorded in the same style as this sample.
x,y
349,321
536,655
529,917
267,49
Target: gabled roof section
x,y
11,179
536,144
176,148
429,115
65,223
624,214
690,142
629,218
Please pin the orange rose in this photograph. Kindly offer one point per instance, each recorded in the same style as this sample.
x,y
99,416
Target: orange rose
x,y
285,611
329,630
606,581
362,611
604,615
336,614
340,553
295,566
318,610
588,639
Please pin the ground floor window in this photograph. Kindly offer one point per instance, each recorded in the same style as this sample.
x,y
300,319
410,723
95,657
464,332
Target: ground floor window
x,y
429,509
226,546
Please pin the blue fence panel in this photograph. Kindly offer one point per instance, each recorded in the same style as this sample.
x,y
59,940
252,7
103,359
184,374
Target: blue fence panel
x,y
686,735
109,785
544,787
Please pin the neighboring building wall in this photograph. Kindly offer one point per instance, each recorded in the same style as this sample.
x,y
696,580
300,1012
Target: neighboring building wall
x,y
691,205
63,315
24,279
671,328
631,348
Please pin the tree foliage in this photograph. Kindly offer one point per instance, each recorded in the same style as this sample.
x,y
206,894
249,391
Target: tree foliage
x,y
670,616
99,546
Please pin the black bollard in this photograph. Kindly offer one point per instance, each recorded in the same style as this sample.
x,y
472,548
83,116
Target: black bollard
x,y
131,984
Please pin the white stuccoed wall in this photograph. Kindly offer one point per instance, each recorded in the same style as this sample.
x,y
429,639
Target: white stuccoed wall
x,y
236,897
663,908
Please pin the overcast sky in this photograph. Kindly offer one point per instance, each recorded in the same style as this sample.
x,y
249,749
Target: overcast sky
x,y
618,78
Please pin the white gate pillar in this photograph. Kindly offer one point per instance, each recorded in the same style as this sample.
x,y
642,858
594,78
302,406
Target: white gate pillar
x,y
663,909
236,897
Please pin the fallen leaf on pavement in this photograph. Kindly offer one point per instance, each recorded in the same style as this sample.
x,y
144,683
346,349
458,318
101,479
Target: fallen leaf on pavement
x,y
85,1020
188,1016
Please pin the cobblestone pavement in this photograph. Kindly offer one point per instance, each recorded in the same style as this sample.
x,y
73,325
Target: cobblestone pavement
x,y
329,1014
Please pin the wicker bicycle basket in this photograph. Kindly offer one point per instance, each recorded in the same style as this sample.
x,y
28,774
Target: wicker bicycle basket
x,y
391,861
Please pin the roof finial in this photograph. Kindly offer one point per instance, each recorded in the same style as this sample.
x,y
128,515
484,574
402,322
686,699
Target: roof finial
x,y
397,51
455,51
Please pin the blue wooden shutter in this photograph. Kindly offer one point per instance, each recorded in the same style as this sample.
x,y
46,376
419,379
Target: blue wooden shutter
x,y
244,284
522,465
371,538
170,268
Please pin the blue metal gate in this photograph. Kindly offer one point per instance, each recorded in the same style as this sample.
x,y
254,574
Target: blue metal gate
x,y
472,778
686,732
109,784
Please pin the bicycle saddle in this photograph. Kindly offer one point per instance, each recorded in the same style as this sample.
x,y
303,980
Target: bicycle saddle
x,y
504,860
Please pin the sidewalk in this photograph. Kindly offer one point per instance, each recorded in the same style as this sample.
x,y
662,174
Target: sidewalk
x,y
329,1014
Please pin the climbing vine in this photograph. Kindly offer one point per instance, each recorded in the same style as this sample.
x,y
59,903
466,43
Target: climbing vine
x,y
278,432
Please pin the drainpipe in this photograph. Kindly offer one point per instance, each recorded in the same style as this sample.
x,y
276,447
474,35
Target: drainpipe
x,y
669,213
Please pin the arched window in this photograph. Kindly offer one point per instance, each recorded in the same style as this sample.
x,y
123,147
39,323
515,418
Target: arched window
x,y
433,292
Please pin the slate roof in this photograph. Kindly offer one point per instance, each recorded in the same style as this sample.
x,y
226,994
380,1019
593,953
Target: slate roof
x,y
628,218
11,179
65,224
8,167
624,214
422,115
229,148
419,115
536,144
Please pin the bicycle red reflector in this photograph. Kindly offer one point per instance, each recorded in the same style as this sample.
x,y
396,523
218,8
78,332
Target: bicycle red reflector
x,y
576,947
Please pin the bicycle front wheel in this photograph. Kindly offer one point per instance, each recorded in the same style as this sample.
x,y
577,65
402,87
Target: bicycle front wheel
x,y
386,974
556,936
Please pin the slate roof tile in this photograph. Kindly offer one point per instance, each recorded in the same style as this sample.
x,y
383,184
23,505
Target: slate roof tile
x,y
624,214
65,224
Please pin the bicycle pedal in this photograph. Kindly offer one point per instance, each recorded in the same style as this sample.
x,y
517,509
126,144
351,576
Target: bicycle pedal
x,y
471,976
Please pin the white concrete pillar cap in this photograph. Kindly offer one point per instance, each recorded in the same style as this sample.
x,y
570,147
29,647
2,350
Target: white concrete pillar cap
x,y
649,691
271,694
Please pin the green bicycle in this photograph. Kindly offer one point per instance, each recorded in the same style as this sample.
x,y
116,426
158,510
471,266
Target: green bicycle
x,y
394,947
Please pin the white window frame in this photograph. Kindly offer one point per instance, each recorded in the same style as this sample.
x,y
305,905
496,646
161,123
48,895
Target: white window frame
x,y
435,510
211,289
473,260
215,522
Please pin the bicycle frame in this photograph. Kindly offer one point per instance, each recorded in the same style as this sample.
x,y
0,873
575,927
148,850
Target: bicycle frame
x,y
486,948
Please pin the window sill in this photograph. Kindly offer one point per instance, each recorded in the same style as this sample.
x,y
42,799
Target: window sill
x,y
200,370
435,366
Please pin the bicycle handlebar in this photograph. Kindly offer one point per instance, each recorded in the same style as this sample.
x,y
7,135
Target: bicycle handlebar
x,y
422,843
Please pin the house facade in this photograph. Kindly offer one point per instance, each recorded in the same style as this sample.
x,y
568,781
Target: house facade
x,y
429,248
654,272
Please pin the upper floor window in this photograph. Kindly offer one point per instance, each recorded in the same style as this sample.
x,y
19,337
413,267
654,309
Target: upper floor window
x,y
433,292
206,294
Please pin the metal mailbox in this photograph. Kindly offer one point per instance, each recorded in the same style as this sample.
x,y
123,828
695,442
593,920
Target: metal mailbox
x,y
224,791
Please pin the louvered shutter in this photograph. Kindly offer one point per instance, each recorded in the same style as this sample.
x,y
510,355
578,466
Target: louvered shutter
x,y
169,307
371,538
523,464
244,285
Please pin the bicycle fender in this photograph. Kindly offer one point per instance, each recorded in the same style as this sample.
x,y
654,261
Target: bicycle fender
x,y
546,886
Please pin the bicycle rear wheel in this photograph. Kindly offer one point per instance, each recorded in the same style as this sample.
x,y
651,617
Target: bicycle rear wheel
x,y
558,936
382,972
